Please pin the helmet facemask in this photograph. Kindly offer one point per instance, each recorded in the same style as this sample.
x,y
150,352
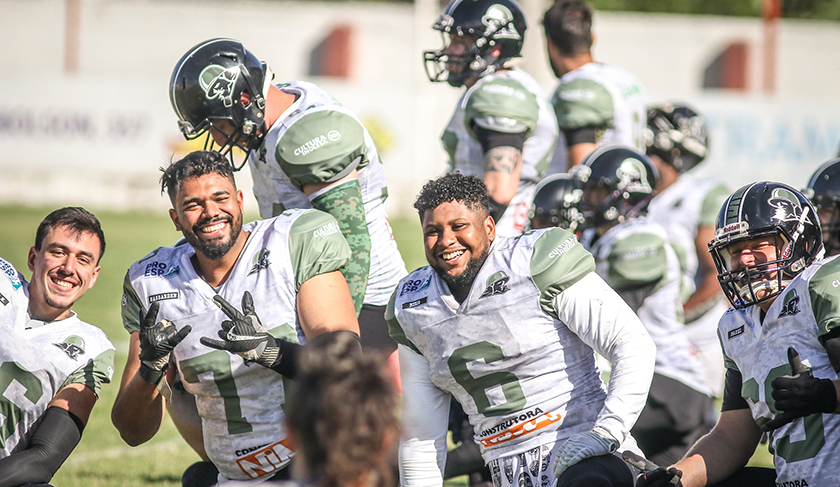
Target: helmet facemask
x,y
753,284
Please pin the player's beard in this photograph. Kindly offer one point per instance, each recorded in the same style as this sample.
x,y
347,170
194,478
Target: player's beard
x,y
217,248
466,278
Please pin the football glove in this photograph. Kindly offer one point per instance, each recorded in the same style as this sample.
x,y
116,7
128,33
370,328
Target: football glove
x,y
583,445
800,394
652,475
243,334
157,340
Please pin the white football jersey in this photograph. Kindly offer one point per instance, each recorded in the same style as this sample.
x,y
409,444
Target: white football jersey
x,y
805,450
333,142
240,405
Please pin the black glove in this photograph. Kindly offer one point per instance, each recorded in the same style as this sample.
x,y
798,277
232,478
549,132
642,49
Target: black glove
x,y
652,475
244,335
800,394
157,339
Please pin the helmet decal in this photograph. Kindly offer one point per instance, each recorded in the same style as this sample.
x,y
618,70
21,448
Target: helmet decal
x,y
786,204
499,23
631,174
218,82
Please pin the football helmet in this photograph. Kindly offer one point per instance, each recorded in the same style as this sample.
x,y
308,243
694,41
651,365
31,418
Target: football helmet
x,y
823,191
764,210
618,183
219,81
489,23
555,202
678,135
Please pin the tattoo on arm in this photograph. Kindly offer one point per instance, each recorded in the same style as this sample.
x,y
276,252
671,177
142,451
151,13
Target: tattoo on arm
x,y
503,159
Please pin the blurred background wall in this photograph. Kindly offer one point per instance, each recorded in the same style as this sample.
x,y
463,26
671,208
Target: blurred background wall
x,y
85,115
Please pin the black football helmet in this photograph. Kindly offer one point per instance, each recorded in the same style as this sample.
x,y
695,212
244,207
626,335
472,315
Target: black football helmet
x,y
678,135
555,202
823,191
219,81
764,209
618,183
489,23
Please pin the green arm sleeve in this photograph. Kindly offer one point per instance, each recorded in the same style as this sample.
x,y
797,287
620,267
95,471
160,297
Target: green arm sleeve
x,y
583,103
131,307
558,261
502,105
637,260
322,147
711,205
344,202
394,328
95,373
316,246
823,288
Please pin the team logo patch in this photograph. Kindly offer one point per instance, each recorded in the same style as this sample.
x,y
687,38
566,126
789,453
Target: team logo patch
x,y
736,332
266,459
260,261
791,306
415,303
10,273
163,296
3,300
73,346
218,82
496,284
415,285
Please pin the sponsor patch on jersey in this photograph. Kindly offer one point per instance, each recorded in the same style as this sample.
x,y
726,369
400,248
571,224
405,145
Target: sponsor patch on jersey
x,y
161,269
791,306
415,285
415,303
11,273
736,332
316,143
504,90
266,460
260,261
163,296
325,231
793,483
3,300
526,423
564,247
496,284
73,346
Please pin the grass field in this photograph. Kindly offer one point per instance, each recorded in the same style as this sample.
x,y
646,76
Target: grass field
x,y
102,458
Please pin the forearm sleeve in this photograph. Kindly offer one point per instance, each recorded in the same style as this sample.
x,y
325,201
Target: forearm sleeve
x,y
595,313
344,202
425,411
54,438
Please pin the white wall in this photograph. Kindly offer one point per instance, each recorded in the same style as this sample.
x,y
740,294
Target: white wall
x,y
97,137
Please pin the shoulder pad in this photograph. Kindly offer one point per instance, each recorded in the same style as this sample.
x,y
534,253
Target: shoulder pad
x,y
583,103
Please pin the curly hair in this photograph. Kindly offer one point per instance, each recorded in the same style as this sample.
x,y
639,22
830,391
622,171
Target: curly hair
x,y
77,219
343,411
192,165
568,24
468,190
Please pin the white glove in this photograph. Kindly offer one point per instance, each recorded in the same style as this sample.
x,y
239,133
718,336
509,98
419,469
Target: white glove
x,y
583,445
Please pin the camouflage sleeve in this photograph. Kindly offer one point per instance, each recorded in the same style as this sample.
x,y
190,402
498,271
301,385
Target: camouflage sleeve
x,y
394,328
131,306
558,261
711,205
823,288
583,103
637,260
344,202
502,105
316,246
322,147
95,372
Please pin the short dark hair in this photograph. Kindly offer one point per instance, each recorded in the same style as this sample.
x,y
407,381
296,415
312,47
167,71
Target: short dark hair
x,y
468,190
192,165
77,219
568,24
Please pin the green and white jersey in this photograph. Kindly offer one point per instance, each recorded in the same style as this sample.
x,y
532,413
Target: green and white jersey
x,y
805,451
636,254
240,406
38,359
14,302
318,140
517,354
605,97
512,102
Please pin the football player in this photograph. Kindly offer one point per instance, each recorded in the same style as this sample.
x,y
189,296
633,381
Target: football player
x,y
555,203
503,129
283,270
686,204
508,327
823,191
596,104
633,255
781,346
58,362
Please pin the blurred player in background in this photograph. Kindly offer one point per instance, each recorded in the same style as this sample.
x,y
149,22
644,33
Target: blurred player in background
x,y
686,204
633,255
508,326
823,191
555,203
595,104
283,270
503,129
58,362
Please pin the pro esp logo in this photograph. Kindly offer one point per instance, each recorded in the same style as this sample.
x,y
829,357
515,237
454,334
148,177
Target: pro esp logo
x,y
266,460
